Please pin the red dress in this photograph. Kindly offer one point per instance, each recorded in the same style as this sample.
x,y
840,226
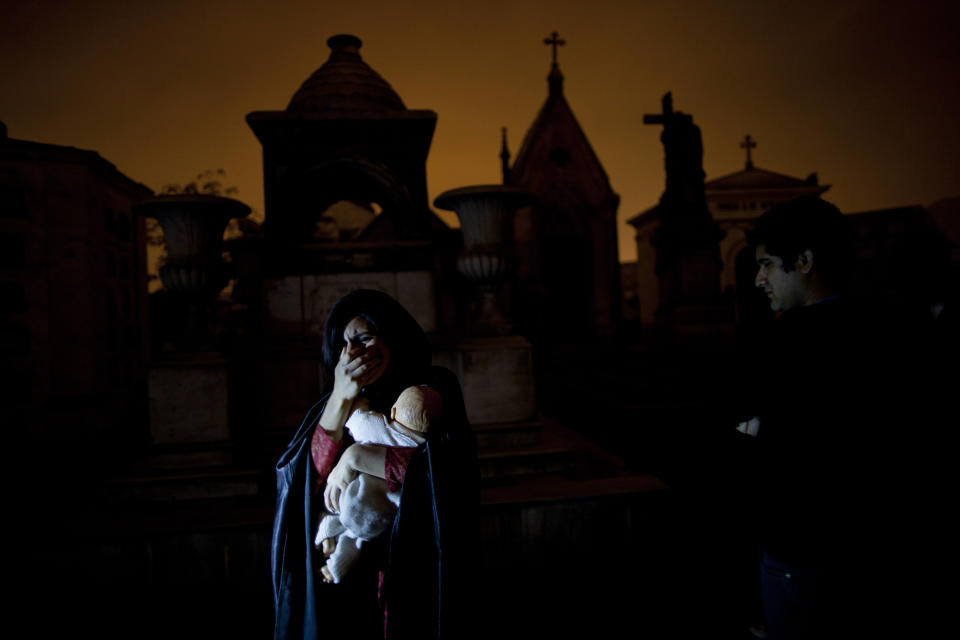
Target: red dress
x,y
325,453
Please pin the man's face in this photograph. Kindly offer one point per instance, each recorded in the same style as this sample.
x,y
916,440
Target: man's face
x,y
785,289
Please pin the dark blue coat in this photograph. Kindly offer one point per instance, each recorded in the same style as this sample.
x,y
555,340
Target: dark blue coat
x,y
430,554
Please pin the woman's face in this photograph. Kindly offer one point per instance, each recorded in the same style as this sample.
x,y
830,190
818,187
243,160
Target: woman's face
x,y
362,339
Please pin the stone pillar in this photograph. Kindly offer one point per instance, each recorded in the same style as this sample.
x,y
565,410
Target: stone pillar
x,y
188,387
496,373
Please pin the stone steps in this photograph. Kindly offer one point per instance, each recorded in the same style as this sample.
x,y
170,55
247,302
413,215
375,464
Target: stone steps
x,y
546,541
506,434
543,448
520,462
506,451
198,483
544,489
138,519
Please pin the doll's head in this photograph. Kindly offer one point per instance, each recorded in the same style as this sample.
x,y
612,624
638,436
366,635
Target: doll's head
x,y
417,407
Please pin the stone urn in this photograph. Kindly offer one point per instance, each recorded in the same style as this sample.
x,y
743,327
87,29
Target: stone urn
x,y
194,271
486,214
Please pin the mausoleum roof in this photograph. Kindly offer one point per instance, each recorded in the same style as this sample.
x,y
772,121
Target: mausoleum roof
x,y
345,85
756,178
556,159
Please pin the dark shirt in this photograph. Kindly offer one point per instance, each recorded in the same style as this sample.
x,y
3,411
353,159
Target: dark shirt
x,y
823,396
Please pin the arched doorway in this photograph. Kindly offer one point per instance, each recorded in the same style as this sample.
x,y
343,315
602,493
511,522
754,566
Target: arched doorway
x,y
338,201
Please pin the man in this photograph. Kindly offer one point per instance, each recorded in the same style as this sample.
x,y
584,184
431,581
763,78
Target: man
x,y
823,426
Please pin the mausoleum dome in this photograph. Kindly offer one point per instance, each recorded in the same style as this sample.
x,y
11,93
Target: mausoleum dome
x,y
345,85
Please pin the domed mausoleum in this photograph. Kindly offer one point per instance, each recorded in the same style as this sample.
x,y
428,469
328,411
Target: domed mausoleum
x,y
345,137
345,196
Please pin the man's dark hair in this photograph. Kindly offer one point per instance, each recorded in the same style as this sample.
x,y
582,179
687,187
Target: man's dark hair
x,y
807,222
410,352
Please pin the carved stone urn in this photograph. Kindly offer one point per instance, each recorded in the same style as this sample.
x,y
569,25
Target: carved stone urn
x,y
194,270
486,220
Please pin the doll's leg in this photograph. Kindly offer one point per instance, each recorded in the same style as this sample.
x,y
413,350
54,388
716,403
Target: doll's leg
x,y
329,527
342,558
328,546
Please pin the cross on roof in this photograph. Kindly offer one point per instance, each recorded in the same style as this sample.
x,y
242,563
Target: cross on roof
x,y
748,144
555,42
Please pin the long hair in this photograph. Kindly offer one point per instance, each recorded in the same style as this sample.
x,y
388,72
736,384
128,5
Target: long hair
x,y
410,353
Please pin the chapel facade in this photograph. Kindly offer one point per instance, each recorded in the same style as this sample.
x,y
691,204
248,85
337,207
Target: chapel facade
x,y
567,285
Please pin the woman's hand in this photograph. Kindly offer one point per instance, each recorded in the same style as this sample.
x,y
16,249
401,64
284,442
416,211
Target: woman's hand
x,y
342,474
355,370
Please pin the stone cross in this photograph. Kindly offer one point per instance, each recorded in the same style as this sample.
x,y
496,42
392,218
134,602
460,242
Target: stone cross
x,y
554,41
748,144
661,118
683,159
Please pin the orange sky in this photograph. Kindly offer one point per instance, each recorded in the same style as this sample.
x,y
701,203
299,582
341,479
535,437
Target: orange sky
x,y
868,98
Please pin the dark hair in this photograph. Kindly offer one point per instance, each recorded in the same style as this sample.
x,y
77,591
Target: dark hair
x,y
789,228
410,353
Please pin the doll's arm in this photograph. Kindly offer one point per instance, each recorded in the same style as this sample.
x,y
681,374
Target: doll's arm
x,y
367,458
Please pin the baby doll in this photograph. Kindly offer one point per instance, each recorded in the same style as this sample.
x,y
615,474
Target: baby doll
x,y
367,508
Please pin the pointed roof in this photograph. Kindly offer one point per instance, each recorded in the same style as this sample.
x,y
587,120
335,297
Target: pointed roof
x,y
556,157
345,85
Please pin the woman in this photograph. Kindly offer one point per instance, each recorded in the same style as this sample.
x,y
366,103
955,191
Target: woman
x,y
414,581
